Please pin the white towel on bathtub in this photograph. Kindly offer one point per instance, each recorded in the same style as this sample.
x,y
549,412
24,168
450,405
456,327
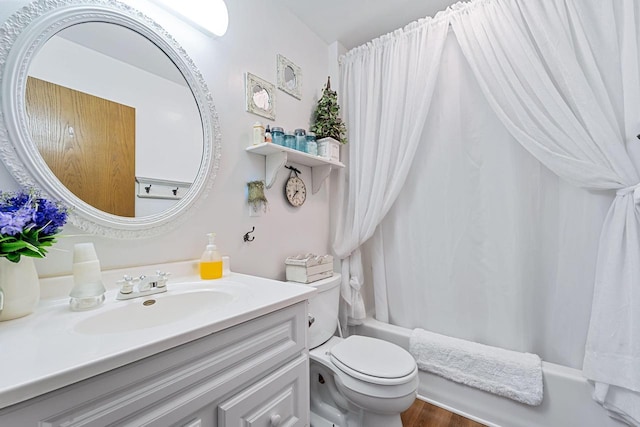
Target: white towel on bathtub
x,y
507,373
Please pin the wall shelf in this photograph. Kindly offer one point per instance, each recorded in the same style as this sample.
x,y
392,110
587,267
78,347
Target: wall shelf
x,y
276,156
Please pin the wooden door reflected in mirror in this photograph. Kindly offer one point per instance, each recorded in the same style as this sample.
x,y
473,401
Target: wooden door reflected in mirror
x,y
88,142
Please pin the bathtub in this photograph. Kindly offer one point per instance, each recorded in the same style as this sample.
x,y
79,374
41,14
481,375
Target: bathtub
x,y
567,395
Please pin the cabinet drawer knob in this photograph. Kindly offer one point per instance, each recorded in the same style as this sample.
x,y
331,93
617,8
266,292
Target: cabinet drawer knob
x,y
276,420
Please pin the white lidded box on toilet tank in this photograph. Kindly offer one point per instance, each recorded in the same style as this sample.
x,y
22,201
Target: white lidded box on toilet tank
x,y
308,268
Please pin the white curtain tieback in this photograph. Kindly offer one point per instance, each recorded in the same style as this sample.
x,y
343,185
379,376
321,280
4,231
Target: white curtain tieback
x,y
635,189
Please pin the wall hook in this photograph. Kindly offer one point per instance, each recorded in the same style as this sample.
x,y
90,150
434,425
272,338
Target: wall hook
x,y
147,188
175,191
246,235
292,169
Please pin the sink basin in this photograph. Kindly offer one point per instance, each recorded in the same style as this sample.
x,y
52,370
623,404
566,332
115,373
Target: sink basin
x,y
154,310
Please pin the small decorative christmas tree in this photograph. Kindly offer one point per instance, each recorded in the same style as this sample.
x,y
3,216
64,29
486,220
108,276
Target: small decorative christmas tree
x,y
327,116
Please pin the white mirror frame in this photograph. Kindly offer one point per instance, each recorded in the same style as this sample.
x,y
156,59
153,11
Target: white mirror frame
x,y
283,64
250,81
23,34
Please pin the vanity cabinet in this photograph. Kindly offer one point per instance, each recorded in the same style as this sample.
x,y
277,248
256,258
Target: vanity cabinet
x,y
253,374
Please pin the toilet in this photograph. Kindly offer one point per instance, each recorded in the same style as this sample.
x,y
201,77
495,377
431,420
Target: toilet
x,y
356,381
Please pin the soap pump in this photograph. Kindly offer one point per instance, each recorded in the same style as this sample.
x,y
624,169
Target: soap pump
x,y
88,290
211,261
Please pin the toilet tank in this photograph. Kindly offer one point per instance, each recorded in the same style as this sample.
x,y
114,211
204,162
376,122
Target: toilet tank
x,y
323,307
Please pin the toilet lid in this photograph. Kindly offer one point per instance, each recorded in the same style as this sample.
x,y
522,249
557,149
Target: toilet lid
x,y
373,360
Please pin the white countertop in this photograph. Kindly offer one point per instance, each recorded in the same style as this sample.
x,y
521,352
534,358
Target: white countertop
x,y
44,351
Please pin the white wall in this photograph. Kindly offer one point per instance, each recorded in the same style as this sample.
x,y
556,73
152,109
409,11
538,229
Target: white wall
x,y
258,30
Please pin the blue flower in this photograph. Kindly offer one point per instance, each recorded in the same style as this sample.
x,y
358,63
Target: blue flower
x,y
49,218
11,225
16,216
12,202
28,224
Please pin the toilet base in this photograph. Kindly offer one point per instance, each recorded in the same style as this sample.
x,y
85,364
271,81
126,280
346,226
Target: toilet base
x,y
318,421
368,420
379,420
331,408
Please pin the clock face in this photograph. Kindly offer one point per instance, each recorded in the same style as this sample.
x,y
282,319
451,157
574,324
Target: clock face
x,y
295,191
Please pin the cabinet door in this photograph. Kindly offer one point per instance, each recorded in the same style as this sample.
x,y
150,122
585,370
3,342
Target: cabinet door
x,y
278,400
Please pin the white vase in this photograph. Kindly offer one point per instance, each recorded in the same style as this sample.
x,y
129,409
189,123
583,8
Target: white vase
x,y
20,288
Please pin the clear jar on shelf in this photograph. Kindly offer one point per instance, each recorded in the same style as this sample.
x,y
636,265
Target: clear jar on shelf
x,y
289,140
312,145
277,134
301,140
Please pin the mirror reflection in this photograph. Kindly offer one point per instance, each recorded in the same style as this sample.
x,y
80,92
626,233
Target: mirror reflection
x,y
261,97
290,77
103,115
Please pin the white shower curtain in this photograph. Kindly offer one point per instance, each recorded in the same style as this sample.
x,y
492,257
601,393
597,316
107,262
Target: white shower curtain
x,y
562,77
388,86
538,68
472,246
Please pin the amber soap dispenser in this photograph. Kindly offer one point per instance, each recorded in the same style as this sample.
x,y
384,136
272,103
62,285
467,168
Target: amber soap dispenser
x,y
211,261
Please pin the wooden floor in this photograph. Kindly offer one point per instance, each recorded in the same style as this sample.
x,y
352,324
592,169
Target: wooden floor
x,y
423,414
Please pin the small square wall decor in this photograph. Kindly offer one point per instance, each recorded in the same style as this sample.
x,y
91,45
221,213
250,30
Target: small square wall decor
x,y
261,97
289,77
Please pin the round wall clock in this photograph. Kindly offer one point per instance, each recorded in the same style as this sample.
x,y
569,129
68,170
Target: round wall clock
x,y
294,190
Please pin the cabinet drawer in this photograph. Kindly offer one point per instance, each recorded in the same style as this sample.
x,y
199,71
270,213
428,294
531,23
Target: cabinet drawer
x,y
278,400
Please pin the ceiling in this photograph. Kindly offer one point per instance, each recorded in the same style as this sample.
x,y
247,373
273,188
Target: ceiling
x,y
124,45
355,22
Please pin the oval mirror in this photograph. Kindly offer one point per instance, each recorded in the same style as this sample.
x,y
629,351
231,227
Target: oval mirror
x,y
106,112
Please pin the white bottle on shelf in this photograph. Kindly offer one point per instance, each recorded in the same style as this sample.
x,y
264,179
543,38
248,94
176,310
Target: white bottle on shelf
x,y
258,133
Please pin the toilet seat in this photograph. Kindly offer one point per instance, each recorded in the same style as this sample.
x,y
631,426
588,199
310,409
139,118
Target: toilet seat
x,y
354,382
373,361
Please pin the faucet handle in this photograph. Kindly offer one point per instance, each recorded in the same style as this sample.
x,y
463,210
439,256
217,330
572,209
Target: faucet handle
x,y
126,284
163,277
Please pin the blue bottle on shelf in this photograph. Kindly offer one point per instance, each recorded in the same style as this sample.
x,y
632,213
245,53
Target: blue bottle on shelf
x,y
277,135
312,145
290,140
301,140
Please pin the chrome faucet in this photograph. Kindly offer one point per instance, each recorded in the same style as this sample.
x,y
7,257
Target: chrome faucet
x,y
134,287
